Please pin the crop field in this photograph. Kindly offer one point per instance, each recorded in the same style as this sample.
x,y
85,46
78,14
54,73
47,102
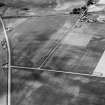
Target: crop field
x,y
50,43
53,58
42,43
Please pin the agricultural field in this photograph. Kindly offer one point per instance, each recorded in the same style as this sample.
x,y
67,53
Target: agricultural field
x,y
53,58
